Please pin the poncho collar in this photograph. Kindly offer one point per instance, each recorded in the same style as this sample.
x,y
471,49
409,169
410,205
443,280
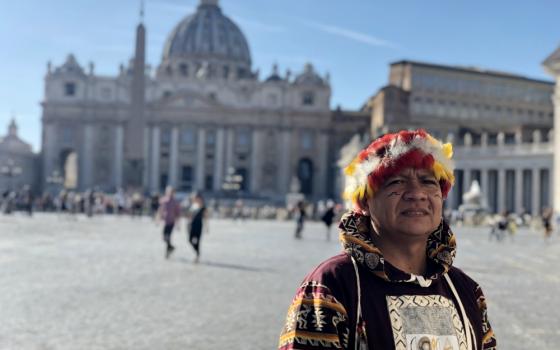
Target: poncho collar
x,y
355,236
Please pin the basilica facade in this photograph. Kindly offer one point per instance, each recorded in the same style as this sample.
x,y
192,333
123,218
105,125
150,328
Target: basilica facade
x,y
203,117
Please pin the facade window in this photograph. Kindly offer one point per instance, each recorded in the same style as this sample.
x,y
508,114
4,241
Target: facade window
x,y
208,182
493,139
509,139
241,72
307,98
186,178
166,136
166,94
225,72
242,139
184,69
306,140
188,137
244,178
70,89
163,179
210,138
476,139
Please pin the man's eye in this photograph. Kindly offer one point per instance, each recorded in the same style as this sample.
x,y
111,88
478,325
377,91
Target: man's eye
x,y
395,182
431,182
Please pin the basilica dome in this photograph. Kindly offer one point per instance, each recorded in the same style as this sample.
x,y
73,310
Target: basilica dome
x,y
207,35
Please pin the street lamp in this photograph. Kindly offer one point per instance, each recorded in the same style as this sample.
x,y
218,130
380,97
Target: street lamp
x,y
55,178
232,181
10,169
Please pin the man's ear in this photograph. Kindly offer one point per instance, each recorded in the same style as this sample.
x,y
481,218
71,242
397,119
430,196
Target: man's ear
x,y
364,205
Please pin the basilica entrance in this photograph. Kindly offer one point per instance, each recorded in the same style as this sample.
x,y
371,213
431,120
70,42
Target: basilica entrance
x,y
305,176
68,162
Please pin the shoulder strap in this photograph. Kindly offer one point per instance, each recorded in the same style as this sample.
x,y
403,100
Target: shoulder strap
x,y
469,331
359,306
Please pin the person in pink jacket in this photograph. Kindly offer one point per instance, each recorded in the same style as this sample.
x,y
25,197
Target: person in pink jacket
x,y
169,213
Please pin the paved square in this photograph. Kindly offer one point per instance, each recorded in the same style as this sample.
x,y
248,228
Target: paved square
x,y
102,283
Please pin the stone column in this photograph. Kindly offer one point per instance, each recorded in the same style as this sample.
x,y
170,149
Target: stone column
x,y
552,65
322,165
86,172
154,177
50,155
146,165
535,189
219,159
200,158
484,140
119,149
256,160
285,166
519,190
466,180
230,144
501,190
484,188
174,157
556,167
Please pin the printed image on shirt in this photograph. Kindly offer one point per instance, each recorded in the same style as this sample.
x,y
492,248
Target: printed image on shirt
x,y
425,322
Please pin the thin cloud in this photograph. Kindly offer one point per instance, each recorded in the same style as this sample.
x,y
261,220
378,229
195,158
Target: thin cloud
x,y
259,25
350,34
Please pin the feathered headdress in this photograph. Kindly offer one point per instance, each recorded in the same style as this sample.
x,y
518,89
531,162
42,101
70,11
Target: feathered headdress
x,y
390,154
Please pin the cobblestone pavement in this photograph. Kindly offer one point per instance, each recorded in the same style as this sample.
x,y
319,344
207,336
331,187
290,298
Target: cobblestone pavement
x,y
103,283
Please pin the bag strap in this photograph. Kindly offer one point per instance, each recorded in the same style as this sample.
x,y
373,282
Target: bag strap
x,y
471,338
359,305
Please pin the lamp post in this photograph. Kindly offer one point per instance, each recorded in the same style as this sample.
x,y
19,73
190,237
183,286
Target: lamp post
x,y
55,178
10,170
232,180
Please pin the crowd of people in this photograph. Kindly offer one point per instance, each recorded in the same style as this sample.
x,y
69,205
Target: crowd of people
x,y
94,202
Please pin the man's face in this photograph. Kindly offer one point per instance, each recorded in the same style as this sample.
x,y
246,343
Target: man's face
x,y
407,204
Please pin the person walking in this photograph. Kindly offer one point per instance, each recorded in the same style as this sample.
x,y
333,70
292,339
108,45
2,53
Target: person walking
x,y
169,212
328,217
300,218
198,220
394,285
547,222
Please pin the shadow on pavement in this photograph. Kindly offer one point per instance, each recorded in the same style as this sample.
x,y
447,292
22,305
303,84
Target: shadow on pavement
x,y
224,265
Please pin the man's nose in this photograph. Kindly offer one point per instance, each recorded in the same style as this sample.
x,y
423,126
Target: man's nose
x,y
414,191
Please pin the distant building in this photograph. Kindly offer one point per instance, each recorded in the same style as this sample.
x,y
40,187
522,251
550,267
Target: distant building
x,y
202,115
500,125
18,164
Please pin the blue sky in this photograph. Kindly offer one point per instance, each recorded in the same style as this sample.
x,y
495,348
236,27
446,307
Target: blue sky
x,y
352,40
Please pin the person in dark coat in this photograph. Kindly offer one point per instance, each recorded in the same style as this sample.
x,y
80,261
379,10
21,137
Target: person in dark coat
x,y
300,215
328,217
198,220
